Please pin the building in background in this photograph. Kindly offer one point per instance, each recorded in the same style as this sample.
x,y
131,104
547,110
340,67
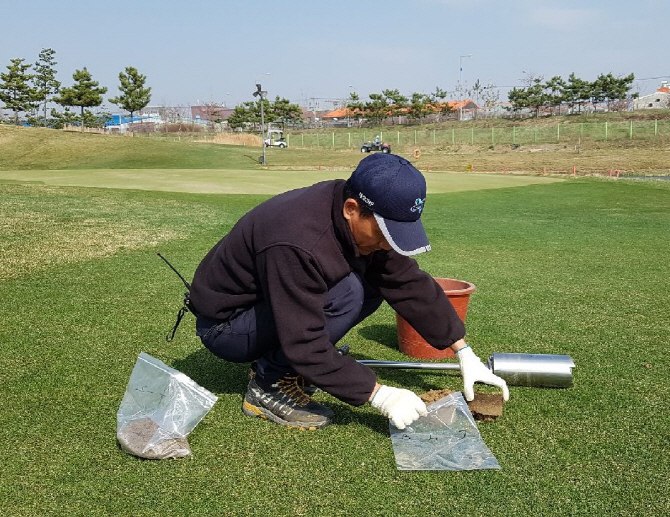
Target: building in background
x,y
660,99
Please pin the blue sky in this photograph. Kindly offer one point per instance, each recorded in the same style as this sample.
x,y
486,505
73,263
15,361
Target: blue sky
x,y
216,50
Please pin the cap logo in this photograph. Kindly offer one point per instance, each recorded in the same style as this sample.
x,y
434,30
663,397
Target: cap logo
x,y
365,199
418,205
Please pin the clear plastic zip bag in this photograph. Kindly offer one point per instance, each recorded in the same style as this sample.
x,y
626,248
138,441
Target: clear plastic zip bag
x,y
446,439
160,408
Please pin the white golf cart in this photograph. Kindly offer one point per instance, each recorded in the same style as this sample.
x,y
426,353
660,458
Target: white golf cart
x,y
275,139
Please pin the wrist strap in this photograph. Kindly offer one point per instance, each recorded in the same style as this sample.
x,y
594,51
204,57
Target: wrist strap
x,y
376,393
461,349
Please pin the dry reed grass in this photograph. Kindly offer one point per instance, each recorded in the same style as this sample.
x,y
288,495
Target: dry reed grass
x,y
233,139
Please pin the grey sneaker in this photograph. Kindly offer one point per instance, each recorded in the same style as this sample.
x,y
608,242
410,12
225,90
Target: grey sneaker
x,y
286,404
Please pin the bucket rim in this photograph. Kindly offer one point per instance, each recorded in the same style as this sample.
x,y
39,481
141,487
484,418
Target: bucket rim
x,y
468,288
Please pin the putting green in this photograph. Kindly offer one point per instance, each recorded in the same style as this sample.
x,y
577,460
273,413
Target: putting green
x,y
245,181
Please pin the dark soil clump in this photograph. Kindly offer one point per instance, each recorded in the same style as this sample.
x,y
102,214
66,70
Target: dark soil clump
x,y
143,438
486,407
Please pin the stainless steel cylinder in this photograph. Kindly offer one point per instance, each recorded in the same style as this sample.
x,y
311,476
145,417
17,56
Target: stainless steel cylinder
x,y
538,370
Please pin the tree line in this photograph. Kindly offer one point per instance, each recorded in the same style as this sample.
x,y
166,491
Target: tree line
x,y
391,104
552,95
249,113
29,87
557,93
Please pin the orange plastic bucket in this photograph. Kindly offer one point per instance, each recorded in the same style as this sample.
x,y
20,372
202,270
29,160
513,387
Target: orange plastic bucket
x,y
409,340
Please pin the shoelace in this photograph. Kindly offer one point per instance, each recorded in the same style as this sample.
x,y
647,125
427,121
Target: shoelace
x,y
289,384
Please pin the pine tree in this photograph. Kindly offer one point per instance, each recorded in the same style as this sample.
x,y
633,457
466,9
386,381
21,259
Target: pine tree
x,y
85,93
15,90
45,79
134,96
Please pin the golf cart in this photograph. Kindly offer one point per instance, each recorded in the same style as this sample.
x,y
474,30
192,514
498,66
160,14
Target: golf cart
x,y
275,139
377,145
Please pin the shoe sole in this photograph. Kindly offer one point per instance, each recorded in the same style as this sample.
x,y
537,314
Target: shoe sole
x,y
258,412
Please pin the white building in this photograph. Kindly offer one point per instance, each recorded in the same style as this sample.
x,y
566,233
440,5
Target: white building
x,y
660,99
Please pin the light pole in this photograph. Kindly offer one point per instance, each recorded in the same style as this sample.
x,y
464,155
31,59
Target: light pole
x,y
351,93
261,94
460,93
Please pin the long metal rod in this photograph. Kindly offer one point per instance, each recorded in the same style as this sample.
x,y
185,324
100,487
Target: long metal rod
x,y
410,365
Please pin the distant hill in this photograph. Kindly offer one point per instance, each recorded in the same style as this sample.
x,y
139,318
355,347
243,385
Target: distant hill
x,y
39,148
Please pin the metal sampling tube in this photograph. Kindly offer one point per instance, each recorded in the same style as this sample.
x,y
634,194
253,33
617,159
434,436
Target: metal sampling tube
x,y
537,370
545,370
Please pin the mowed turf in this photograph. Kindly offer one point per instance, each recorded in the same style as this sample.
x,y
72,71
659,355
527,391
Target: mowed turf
x,y
576,267
225,181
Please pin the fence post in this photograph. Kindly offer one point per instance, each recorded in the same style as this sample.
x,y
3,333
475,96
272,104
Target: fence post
x,y
453,136
398,137
433,137
558,132
631,130
472,136
333,139
302,139
655,127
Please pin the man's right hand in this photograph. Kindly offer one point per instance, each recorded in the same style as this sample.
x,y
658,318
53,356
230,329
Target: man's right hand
x,y
400,406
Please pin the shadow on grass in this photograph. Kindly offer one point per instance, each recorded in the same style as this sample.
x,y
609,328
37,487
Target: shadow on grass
x,y
215,374
386,335
256,160
383,334
223,377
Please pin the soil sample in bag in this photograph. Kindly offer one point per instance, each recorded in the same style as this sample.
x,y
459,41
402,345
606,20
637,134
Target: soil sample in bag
x,y
145,438
485,407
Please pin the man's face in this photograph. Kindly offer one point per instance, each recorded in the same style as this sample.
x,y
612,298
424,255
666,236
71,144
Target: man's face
x,y
365,230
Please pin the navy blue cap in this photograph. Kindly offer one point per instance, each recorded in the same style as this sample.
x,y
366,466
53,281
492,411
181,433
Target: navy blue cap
x,y
395,191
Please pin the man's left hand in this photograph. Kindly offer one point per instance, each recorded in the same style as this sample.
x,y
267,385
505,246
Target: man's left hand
x,y
473,370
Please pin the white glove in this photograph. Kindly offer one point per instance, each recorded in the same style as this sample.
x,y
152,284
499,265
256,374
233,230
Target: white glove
x,y
400,406
473,370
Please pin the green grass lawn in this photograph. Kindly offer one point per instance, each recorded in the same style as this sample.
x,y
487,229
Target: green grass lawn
x,y
48,149
577,267
231,181
38,149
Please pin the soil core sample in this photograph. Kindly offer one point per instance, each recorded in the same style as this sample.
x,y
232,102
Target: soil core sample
x,y
143,438
486,407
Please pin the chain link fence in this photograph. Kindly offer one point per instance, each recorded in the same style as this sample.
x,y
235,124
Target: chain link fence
x,y
561,133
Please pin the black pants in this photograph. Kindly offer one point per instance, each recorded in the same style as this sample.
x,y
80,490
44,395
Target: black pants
x,y
251,334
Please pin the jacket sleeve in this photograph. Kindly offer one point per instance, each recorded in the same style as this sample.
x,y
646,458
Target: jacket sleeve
x,y
295,289
417,297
